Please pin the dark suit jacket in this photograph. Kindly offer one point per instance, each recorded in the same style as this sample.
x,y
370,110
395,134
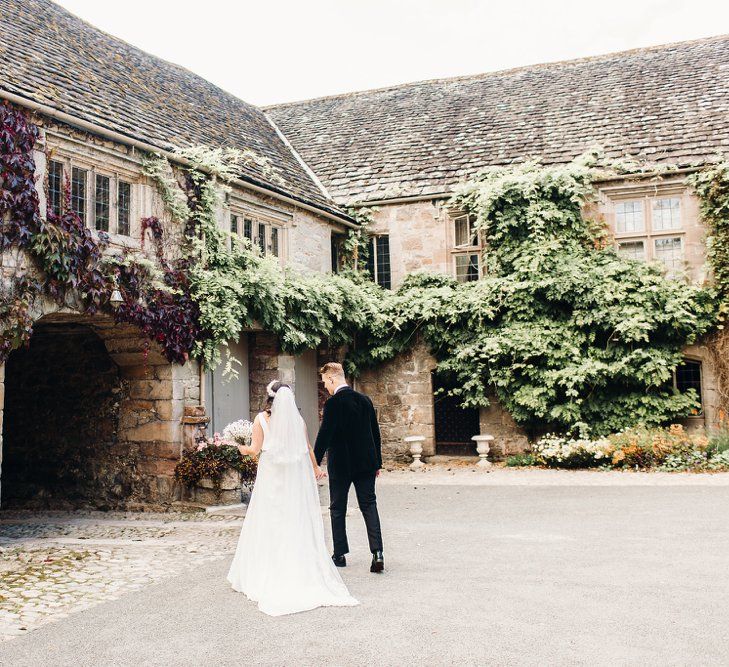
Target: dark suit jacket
x,y
350,433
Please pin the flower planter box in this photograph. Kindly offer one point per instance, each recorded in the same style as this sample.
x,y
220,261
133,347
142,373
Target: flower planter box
x,y
231,489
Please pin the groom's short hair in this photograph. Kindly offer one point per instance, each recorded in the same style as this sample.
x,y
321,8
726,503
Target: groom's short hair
x,y
332,368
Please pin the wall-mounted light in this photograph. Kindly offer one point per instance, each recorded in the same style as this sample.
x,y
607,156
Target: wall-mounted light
x,y
116,298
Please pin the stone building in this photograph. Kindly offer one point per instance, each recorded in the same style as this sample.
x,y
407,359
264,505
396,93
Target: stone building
x,y
405,148
89,411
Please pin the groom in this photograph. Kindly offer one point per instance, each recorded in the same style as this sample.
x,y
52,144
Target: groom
x,y
350,433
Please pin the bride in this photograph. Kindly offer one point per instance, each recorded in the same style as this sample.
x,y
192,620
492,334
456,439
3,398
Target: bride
x,y
282,562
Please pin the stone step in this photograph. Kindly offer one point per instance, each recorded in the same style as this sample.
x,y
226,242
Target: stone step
x,y
443,460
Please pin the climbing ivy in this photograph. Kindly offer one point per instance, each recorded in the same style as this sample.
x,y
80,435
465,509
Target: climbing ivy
x,y
69,258
562,330
234,286
71,265
712,187
355,249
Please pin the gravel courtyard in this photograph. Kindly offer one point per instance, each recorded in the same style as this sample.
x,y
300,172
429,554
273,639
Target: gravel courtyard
x,y
508,567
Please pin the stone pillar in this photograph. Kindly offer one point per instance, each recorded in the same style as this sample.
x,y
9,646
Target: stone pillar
x,y
262,368
266,362
509,438
194,426
152,414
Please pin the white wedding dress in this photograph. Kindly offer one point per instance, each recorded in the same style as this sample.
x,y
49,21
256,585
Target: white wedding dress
x,y
282,561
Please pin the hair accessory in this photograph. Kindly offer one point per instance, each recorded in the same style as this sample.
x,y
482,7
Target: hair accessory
x,y
269,388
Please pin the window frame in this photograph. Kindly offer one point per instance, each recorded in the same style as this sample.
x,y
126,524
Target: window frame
x,y
129,208
699,363
115,176
61,189
86,198
649,234
635,241
248,222
465,250
373,261
468,255
666,230
97,177
473,234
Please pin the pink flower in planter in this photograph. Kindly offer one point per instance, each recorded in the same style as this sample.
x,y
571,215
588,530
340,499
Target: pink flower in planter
x,y
201,446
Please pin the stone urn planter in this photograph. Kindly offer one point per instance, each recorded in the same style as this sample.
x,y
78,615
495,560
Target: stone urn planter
x,y
415,445
483,447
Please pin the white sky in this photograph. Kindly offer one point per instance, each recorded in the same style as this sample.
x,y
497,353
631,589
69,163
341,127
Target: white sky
x,y
267,51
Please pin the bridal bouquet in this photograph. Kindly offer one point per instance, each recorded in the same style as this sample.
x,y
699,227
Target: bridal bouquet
x,y
239,432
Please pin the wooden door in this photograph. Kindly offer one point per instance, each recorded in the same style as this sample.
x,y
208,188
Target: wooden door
x,y
306,388
228,399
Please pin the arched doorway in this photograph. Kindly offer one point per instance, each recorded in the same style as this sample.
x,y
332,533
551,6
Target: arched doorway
x,y
61,421
92,416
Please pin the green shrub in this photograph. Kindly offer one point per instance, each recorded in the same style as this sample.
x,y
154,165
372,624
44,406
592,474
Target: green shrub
x,y
718,442
522,460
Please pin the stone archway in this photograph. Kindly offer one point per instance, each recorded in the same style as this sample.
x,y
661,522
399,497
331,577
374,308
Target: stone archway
x,y
61,421
92,416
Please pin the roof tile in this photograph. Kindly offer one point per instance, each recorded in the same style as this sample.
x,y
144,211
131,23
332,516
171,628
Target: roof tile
x,y
55,58
666,104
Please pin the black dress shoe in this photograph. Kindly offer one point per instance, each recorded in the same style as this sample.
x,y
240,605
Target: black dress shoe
x,y
378,562
339,561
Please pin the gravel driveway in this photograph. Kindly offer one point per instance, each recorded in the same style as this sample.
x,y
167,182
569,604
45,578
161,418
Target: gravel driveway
x,y
510,569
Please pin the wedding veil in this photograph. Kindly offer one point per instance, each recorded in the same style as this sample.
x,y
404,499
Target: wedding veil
x,y
286,440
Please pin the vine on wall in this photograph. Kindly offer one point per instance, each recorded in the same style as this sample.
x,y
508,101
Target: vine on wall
x,y
712,187
70,262
562,330
69,258
234,286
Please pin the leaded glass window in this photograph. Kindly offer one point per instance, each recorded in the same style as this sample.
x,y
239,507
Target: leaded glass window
x,y
101,203
78,192
124,200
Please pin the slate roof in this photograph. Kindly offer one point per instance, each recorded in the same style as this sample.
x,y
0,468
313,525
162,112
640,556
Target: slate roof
x,y
665,104
50,56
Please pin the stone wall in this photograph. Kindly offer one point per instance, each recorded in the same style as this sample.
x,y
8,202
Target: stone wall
x,y
265,364
158,411
401,391
509,438
137,464
310,246
419,237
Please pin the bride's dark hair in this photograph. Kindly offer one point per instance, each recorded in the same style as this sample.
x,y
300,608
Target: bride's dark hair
x,y
274,388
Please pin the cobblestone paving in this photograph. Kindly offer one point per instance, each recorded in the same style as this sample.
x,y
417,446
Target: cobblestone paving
x,y
53,564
